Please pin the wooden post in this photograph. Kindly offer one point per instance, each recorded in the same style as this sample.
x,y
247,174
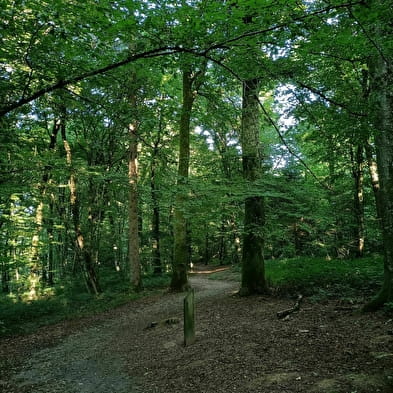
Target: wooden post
x,y
189,318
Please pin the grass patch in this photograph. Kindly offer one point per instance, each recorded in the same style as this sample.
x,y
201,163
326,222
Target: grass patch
x,y
70,301
320,278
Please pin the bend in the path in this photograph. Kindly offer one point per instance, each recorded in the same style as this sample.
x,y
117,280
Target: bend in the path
x,y
93,360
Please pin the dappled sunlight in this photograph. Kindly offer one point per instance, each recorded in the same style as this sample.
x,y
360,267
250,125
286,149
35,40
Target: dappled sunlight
x,y
198,269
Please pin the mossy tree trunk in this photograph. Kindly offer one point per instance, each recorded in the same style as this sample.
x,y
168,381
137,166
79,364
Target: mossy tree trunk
x,y
253,269
179,280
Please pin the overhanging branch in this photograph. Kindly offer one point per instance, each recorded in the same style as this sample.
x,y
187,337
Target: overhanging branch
x,y
290,150
165,51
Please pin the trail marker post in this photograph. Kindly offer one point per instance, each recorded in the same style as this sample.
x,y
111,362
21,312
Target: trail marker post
x,y
189,318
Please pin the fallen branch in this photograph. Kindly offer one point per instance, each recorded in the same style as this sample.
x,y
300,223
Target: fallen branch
x,y
296,307
164,322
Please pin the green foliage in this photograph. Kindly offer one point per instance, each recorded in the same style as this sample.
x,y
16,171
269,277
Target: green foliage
x,y
69,301
319,278
314,72
326,278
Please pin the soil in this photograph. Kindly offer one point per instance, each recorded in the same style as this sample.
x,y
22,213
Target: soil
x,y
241,346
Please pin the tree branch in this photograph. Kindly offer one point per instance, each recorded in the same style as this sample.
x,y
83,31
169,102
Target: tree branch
x,y
330,100
279,26
164,51
290,150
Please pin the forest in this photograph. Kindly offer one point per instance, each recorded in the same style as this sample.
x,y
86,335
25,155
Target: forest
x,y
143,140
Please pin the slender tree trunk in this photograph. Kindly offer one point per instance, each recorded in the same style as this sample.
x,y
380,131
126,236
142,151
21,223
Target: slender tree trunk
x,y
134,216
296,238
382,103
83,247
222,244
5,267
179,280
49,222
36,266
156,253
253,269
358,199
206,254
133,221
50,232
373,171
5,278
157,266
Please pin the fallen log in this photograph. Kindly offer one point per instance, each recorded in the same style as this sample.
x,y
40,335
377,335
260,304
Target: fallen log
x,y
296,307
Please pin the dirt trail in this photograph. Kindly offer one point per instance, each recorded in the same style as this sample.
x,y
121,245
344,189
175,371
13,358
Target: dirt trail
x,y
93,360
241,347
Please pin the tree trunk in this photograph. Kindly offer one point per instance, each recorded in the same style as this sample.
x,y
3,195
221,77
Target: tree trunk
x,y
253,269
155,231
83,248
206,254
4,263
36,266
157,266
179,280
373,171
382,105
50,232
133,222
358,199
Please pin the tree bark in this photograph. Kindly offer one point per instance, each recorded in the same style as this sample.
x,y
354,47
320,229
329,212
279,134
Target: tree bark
x,y
382,105
373,171
4,260
253,269
157,266
83,248
133,222
35,265
155,223
179,281
358,199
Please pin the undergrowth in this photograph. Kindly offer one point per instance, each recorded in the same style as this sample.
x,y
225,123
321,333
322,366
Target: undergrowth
x,y
319,278
68,301
316,278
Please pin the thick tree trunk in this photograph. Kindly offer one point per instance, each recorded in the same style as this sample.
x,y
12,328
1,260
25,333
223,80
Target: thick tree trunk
x,y
382,100
133,221
253,269
179,280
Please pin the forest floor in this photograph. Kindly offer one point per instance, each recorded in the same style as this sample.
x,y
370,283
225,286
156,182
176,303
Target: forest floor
x,y
241,346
